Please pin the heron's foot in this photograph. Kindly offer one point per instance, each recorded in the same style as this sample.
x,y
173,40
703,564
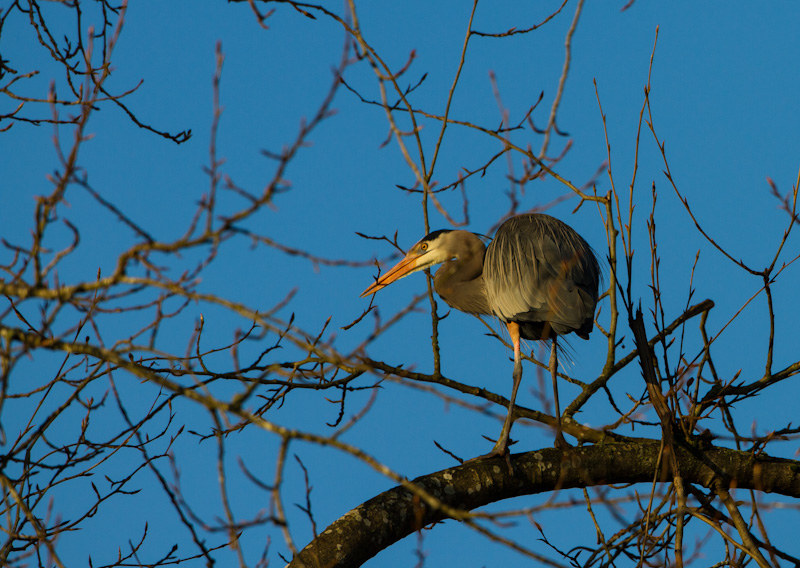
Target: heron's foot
x,y
495,453
561,442
499,451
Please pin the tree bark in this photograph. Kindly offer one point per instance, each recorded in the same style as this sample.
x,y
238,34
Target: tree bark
x,y
385,519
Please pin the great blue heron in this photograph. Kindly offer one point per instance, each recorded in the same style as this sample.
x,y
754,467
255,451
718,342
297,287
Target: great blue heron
x,y
537,275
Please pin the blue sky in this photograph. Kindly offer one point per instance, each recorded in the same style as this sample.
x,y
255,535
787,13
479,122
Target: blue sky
x,y
724,100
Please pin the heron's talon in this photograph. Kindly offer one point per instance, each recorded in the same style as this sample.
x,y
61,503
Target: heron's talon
x,y
561,442
496,453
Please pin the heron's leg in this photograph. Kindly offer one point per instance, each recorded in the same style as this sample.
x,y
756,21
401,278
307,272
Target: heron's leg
x,y
501,447
560,441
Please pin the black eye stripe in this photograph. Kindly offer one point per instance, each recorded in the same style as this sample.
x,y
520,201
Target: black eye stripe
x,y
433,235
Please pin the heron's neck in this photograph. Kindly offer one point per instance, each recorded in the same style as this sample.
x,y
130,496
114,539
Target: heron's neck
x,y
460,282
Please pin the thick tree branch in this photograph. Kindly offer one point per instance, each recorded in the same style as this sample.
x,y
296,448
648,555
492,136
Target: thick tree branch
x,y
391,516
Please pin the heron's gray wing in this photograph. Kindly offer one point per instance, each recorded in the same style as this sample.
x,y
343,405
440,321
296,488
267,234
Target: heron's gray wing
x,y
538,269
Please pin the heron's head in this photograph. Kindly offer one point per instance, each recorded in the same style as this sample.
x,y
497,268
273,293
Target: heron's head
x,y
435,248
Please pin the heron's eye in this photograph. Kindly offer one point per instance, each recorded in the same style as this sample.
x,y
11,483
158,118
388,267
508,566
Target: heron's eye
x,y
424,246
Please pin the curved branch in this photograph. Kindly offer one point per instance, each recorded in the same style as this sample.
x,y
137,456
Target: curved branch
x,y
391,516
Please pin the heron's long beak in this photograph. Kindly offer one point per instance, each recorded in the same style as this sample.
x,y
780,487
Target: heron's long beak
x,y
409,264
